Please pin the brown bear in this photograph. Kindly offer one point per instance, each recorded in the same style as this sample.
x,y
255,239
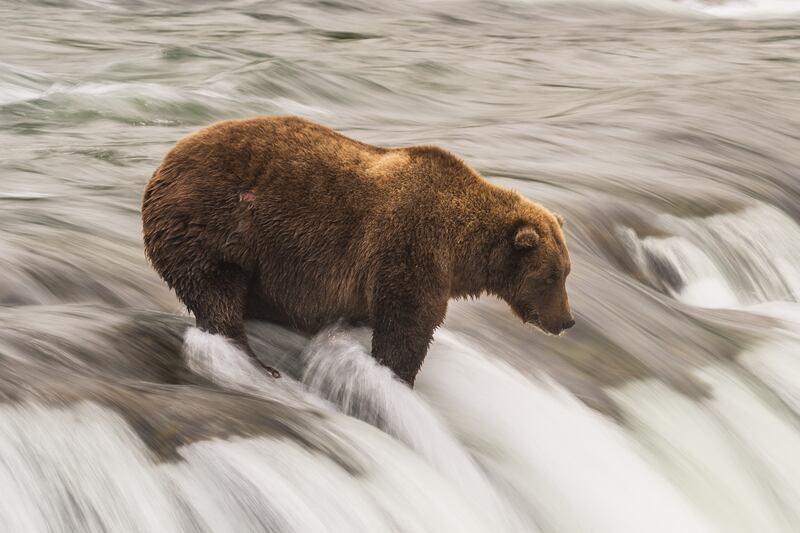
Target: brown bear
x,y
281,219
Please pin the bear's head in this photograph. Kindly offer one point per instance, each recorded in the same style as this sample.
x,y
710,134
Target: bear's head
x,y
534,272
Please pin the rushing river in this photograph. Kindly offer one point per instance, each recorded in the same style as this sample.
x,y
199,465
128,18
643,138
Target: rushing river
x,y
668,135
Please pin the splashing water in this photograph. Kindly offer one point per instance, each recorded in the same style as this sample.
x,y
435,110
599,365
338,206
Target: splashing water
x,y
726,260
340,369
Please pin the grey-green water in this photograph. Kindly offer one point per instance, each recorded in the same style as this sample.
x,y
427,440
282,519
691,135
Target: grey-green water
x,y
665,132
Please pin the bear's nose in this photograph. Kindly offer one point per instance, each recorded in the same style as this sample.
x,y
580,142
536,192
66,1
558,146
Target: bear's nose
x,y
568,324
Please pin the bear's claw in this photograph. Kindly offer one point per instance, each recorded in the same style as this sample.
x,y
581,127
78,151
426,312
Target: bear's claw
x,y
271,371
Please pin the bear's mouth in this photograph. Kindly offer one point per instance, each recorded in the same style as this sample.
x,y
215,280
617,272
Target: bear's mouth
x,y
534,319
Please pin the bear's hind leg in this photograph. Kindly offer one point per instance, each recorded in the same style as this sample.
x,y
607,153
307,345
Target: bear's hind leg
x,y
218,302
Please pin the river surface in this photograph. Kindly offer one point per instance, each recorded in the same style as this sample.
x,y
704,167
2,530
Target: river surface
x,y
666,133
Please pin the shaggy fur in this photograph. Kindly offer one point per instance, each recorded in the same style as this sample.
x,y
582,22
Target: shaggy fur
x,y
281,219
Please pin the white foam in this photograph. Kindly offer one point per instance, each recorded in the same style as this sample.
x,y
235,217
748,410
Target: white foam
x,y
748,8
10,94
696,451
241,484
573,469
78,469
83,469
726,260
775,360
216,358
340,369
14,94
735,453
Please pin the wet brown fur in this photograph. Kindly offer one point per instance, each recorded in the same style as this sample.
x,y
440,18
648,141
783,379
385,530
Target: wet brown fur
x,y
282,219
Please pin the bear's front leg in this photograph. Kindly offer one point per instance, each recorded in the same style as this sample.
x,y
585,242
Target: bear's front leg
x,y
402,333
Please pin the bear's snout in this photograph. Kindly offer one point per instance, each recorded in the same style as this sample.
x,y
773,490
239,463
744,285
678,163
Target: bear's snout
x,y
555,327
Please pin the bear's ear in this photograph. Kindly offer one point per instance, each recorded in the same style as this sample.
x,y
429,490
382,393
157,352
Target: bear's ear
x,y
525,238
560,219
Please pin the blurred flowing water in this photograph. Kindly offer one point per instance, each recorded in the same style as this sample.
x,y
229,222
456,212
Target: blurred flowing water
x,y
668,135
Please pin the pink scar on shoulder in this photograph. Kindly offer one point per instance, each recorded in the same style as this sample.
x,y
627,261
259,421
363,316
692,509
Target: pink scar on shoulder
x,y
247,196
